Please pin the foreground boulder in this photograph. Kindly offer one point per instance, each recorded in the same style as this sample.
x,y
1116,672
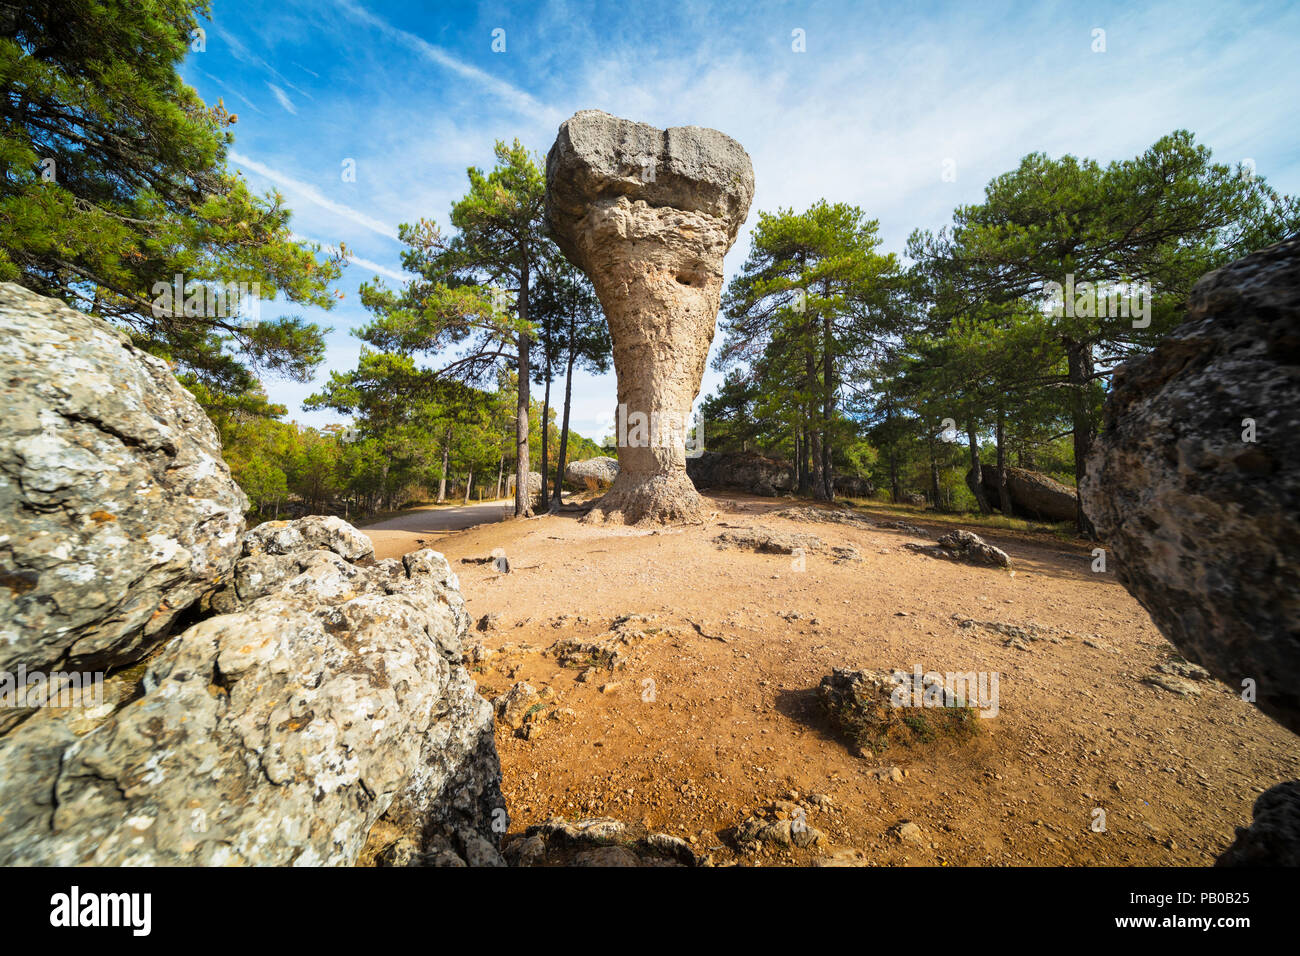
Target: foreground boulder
x,y
116,511
874,710
327,708
1033,494
1194,482
1273,837
593,473
742,471
649,214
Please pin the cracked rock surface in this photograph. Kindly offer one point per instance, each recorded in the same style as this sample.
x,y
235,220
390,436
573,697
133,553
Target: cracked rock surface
x,y
324,719
1203,525
117,512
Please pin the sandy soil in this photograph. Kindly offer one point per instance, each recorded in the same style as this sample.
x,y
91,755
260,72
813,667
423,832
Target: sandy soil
x,y
717,715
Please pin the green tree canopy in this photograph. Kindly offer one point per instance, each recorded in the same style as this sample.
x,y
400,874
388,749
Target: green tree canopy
x,y
113,181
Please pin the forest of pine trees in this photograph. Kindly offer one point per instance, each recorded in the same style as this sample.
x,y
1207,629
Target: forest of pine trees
x,y
988,340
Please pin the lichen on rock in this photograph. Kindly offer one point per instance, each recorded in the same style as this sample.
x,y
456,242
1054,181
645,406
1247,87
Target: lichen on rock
x,y
280,732
116,511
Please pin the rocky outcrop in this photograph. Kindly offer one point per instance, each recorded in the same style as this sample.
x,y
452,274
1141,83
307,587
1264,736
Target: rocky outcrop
x,y
967,546
329,697
116,511
854,486
831,514
649,214
763,541
1194,481
1033,494
1273,837
593,473
874,710
601,841
742,471
612,649
264,698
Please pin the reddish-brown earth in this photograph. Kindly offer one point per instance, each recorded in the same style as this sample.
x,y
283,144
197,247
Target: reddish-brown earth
x,y
716,715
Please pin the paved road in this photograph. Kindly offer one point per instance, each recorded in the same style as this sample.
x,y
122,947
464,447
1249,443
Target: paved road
x,y
397,536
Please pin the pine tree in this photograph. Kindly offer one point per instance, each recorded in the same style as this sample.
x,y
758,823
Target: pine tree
x,y
807,293
113,182
473,291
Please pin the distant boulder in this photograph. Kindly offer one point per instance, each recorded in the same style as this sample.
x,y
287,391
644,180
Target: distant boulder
x,y
534,484
852,486
1033,494
592,473
961,545
742,471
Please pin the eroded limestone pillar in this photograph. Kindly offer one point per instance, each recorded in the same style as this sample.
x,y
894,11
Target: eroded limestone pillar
x,y
649,214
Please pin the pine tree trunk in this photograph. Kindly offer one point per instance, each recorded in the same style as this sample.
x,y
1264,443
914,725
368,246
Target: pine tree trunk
x,y
501,473
976,482
798,459
1004,493
469,481
828,398
1079,363
446,463
546,428
523,506
893,454
934,470
556,499
818,479
814,435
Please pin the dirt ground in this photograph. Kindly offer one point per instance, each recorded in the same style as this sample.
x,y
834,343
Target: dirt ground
x,y
424,527
716,714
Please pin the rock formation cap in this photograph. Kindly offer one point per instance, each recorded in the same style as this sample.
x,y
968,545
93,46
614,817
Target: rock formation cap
x,y
598,156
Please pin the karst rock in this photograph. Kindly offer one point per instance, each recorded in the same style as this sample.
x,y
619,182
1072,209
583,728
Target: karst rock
x,y
649,214
1194,483
117,512
323,719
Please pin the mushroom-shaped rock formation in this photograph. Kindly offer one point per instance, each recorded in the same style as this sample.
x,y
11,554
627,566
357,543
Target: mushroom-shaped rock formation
x,y
648,214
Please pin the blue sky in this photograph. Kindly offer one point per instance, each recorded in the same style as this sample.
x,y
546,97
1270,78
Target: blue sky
x,y
882,100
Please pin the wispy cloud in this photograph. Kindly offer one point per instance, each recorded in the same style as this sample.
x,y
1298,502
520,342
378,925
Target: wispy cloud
x,y
226,86
871,114
517,99
283,98
315,196
240,51
369,264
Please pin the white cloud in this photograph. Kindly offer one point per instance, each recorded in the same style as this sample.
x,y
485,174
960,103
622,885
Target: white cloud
x,y
283,98
867,116
314,195
517,99
369,264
